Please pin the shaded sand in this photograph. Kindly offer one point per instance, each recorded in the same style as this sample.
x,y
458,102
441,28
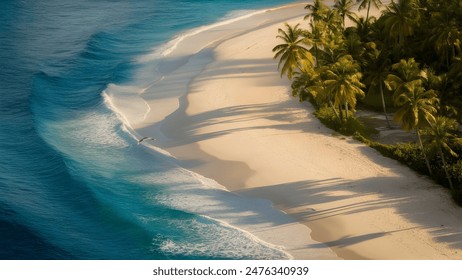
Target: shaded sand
x,y
238,125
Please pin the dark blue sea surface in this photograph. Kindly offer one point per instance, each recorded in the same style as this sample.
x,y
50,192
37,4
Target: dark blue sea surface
x,y
73,183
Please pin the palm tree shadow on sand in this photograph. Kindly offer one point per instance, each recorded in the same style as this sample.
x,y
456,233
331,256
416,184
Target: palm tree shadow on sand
x,y
316,202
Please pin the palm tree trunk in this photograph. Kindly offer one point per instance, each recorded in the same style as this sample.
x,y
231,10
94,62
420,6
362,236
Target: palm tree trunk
x,y
427,162
335,111
383,104
445,167
447,60
318,64
401,38
368,9
346,112
316,54
333,108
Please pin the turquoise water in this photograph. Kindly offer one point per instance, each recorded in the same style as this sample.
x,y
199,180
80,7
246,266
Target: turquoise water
x,y
74,184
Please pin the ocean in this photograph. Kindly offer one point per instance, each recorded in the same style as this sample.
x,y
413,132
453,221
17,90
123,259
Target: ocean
x,y
74,183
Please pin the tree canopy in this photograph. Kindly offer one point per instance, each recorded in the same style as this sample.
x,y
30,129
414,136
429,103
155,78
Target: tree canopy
x,y
410,57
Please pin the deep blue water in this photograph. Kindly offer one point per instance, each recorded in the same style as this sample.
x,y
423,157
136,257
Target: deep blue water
x,y
73,183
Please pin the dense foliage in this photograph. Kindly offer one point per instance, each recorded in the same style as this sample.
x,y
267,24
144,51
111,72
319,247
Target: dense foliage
x,y
409,58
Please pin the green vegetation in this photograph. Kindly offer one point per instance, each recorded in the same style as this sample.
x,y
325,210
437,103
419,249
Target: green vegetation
x,y
407,61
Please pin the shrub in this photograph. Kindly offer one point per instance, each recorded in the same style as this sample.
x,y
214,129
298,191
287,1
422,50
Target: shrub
x,y
327,116
455,171
457,195
411,155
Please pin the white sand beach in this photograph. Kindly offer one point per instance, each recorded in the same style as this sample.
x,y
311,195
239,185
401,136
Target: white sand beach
x,y
227,115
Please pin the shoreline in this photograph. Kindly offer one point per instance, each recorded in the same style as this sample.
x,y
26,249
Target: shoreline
x,y
227,115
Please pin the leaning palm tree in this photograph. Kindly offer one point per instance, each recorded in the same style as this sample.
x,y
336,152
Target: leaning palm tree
x,y
417,108
344,9
292,51
343,84
440,133
368,3
416,104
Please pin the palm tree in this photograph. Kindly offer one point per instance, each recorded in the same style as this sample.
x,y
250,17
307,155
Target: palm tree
x,y
334,22
440,134
308,83
407,71
315,38
378,69
445,36
417,108
344,9
451,94
317,10
362,27
364,3
399,20
343,84
292,51
332,37
303,81
334,46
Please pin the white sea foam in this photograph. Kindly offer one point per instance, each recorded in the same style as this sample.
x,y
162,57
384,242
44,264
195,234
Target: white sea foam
x,y
126,126
194,193
108,101
234,243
